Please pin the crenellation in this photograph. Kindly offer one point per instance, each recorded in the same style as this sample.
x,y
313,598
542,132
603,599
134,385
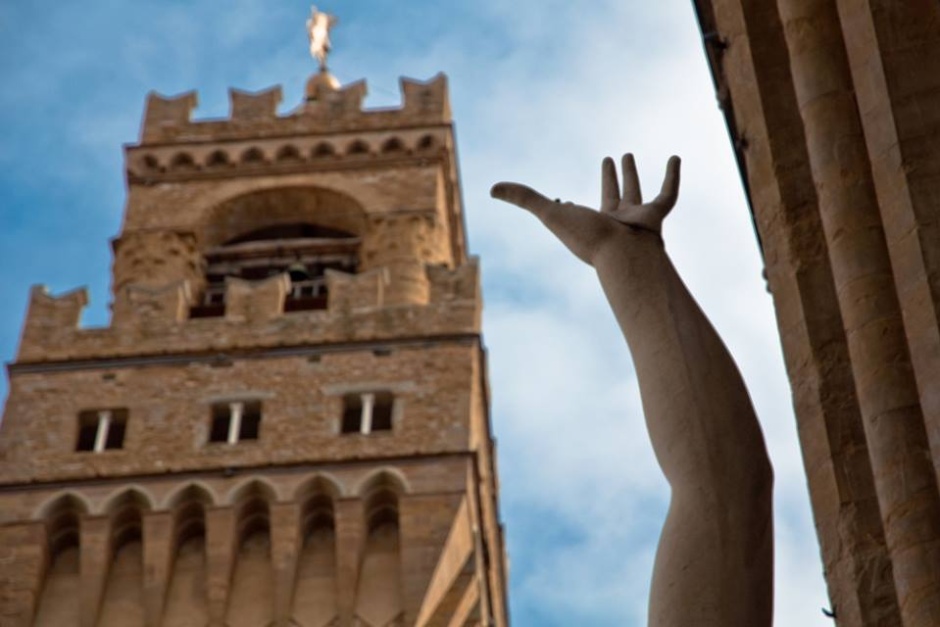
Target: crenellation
x,y
356,292
324,98
350,320
164,115
255,302
250,106
51,319
427,97
455,284
327,110
141,308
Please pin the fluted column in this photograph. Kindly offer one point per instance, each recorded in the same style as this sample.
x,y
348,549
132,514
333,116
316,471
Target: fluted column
x,y
888,398
894,54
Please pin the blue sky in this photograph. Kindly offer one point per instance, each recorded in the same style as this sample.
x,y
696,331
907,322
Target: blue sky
x,y
541,91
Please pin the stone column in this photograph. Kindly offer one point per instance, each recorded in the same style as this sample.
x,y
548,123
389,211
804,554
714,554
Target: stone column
x,y
756,89
894,424
894,54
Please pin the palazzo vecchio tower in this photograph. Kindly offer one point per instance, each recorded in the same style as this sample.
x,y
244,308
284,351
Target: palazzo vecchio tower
x,y
286,421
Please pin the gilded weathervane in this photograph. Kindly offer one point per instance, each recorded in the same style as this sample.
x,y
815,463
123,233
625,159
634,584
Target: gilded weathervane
x,y
318,27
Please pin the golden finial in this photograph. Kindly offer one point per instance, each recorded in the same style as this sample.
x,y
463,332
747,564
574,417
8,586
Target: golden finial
x,y
318,28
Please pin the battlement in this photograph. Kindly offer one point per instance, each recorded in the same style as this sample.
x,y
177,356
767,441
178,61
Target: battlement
x,y
330,132
327,110
153,320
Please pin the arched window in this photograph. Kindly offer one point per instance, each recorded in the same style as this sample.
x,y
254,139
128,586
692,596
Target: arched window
x,y
302,250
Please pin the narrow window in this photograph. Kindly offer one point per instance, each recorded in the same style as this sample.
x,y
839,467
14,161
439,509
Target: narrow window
x,y
101,429
367,412
235,421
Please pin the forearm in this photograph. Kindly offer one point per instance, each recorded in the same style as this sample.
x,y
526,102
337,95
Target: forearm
x,y
698,412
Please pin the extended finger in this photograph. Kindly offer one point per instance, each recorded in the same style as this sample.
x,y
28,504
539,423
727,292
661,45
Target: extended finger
x,y
631,182
670,191
610,190
521,196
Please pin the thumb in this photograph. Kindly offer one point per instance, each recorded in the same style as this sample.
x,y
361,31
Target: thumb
x,y
521,196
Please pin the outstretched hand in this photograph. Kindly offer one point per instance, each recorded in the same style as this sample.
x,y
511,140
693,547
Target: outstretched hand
x,y
582,229
628,208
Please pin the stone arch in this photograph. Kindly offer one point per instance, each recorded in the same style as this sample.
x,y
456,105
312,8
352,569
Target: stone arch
x,y
252,590
150,162
393,145
379,594
427,142
323,150
288,153
218,159
358,147
125,509
317,497
383,477
59,593
61,516
314,599
122,600
319,482
134,494
252,156
252,486
258,209
192,490
186,600
68,498
182,161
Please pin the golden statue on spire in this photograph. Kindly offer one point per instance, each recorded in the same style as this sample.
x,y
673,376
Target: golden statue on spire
x,y
318,28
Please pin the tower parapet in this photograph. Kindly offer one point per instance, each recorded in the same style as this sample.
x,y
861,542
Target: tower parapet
x,y
168,119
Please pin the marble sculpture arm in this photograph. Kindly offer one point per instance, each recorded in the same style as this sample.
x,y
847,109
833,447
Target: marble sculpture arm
x,y
714,563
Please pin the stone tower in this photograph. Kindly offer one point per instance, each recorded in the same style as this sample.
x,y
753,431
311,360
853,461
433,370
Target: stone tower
x,y
834,109
286,422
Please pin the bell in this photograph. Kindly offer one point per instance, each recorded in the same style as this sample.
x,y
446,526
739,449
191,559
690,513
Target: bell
x,y
298,272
